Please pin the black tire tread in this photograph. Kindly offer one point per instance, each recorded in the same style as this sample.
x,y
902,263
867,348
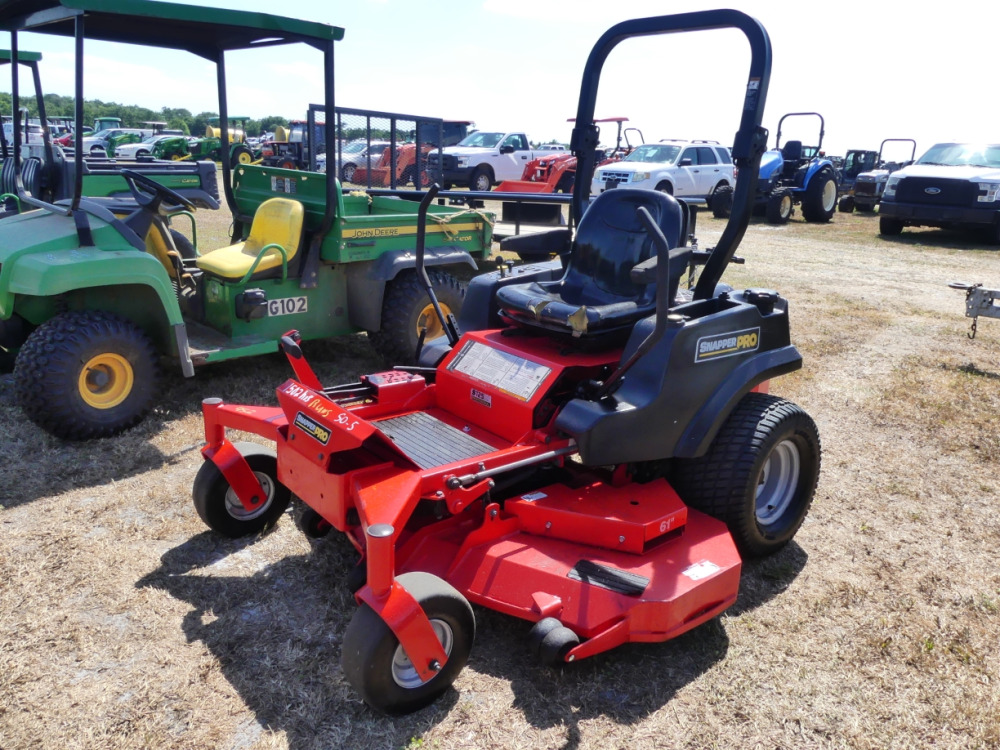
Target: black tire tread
x,y
395,340
722,202
210,486
45,386
711,483
812,202
368,643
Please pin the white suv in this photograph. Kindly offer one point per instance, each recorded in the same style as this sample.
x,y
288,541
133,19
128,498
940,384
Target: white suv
x,y
689,169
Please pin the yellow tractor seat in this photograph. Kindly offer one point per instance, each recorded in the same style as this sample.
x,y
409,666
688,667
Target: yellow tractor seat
x,y
273,243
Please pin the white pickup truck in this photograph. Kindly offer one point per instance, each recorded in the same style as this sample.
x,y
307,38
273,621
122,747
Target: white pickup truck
x,y
953,185
482,159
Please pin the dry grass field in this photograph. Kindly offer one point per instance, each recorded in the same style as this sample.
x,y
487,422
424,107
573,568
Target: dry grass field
x,y
124,623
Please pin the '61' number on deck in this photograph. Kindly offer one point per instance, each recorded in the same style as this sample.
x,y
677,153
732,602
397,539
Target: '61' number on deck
x,y
287,306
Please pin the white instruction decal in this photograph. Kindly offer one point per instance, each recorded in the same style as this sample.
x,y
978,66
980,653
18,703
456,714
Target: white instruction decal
x,y
511,374
701,570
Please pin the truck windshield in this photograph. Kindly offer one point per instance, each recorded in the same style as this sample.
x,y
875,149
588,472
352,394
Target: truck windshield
x,y
481,140
963,154
654,153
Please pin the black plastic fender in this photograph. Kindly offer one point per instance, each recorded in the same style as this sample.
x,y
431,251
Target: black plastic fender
x,y
674,399
366,280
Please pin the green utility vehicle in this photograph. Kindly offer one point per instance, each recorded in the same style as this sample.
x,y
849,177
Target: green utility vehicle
x,y
210,146
95,292
47,174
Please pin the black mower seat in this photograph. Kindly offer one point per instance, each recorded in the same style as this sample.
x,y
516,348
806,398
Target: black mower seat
x,y
595,296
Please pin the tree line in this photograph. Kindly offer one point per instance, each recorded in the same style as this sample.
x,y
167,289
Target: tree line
x,y
132,115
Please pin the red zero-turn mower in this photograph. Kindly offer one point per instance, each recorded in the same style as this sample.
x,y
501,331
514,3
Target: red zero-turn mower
x,y
590,454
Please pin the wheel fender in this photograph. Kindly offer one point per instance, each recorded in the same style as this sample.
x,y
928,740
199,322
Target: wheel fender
x,y
701,430
366,281
815,167
81,270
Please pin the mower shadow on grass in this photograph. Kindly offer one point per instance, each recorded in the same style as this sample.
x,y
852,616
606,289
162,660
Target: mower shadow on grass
x,y
276,634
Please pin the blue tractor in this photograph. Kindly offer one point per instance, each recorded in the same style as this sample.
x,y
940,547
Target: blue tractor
x,y
792,174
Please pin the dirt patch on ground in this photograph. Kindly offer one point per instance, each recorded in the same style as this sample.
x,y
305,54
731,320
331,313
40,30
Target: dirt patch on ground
x,y
125,624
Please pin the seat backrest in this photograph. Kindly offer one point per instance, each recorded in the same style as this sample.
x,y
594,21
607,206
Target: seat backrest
x,y
611,239
792,151
278,221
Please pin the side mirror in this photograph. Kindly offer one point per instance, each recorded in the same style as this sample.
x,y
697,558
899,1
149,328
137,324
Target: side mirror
x,y
684,163
506,149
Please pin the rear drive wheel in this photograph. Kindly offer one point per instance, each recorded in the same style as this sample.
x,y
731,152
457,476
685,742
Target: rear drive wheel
x,y
220,508
846,204
821,197
779,207
242,155
86,374
406,309
889,227
722,202
375,663
759,474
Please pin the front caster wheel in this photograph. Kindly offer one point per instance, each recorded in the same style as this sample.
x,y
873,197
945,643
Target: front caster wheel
x,y
375,663
759,474
221,509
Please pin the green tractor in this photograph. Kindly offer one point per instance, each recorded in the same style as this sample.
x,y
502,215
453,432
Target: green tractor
x,y
210,146
96,294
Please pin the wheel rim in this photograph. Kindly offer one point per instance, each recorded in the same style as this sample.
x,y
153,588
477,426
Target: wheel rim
x,y
404,673
829,195
244,158
786,206
429,318
105,381
482,183
235,508
348,174
778,483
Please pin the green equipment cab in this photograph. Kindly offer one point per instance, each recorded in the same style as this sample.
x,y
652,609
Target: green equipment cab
x,y
96,292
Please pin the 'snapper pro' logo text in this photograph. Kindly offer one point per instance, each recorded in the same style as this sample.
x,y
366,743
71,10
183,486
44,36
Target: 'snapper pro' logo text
x,y
727,344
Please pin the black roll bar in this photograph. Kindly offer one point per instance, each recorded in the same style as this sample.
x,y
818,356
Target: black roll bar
x,y
750,141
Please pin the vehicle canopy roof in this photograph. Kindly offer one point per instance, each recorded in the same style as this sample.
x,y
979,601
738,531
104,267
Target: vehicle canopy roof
x,y
5,56
202,31
206,32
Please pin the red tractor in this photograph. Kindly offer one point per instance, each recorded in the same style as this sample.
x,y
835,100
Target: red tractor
x,y
556,172
585,449
406,164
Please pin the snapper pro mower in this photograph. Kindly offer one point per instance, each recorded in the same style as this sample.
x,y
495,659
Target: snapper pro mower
x,y
585,449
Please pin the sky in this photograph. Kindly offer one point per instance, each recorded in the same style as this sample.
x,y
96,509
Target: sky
x,y
873,70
